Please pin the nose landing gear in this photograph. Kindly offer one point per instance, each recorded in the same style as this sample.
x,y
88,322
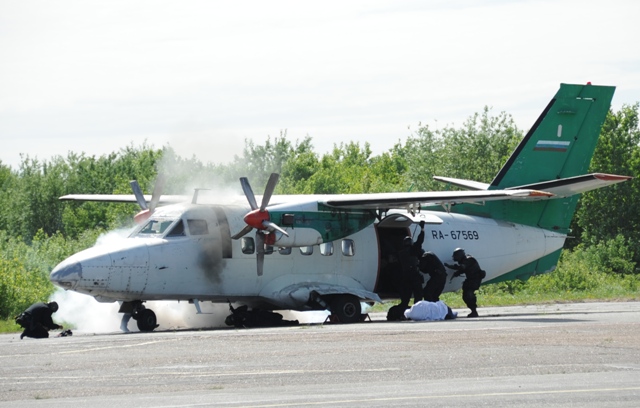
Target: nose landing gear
x,y
145,318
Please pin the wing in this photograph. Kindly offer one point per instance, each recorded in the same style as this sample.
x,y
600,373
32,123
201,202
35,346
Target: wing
x,y
383,201
123,198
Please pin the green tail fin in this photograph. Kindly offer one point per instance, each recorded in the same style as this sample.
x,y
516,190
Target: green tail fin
x,y
559,145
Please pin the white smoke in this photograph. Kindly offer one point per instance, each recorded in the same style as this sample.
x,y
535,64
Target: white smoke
x,y
114,236
83,314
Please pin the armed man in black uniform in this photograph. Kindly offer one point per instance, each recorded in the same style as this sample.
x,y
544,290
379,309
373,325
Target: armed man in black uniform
x,y
431,265
37,320
409,280
468,265
409,256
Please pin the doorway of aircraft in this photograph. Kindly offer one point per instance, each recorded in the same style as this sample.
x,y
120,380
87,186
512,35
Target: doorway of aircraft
x,y
391,231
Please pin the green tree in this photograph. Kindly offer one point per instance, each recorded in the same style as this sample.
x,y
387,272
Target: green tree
x,y
345,170
259,161
476,151
300,166
388,172
606,213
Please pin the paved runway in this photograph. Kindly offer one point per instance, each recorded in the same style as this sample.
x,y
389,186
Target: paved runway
x,y
579,355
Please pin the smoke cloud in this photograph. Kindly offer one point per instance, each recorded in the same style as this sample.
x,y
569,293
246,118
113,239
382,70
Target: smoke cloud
x,y
85,315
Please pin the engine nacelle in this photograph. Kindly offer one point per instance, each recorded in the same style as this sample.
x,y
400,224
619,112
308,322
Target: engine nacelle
x,y
298,237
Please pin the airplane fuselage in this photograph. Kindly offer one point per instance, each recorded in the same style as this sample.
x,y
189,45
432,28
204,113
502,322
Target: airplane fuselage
x,y
186,253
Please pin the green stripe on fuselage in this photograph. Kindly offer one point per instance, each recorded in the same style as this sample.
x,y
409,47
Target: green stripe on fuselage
x,y
331,223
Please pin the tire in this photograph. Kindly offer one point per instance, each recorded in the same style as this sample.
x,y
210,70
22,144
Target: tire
x,y
146,320
346,308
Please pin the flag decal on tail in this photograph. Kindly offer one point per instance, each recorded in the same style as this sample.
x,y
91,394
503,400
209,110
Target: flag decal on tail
x,y
552,145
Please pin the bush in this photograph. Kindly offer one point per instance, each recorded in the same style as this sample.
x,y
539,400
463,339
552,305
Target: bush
x,y
25,269
20,287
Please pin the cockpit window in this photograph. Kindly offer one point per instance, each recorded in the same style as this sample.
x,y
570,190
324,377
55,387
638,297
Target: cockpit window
x,y
154,227
198,227
177,230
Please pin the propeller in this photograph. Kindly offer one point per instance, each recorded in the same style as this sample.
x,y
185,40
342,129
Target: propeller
x,y
258,217
147,210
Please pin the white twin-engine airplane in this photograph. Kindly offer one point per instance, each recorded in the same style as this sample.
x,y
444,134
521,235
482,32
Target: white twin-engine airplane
x,y
319,252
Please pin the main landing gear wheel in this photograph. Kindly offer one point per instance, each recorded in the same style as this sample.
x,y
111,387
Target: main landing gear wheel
x,y
146,320
346,308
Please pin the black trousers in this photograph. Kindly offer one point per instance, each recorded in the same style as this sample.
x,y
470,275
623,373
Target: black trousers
x,y
434,287
36,331
469,287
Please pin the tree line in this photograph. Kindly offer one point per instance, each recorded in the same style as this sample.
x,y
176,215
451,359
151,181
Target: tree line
x,y
37,230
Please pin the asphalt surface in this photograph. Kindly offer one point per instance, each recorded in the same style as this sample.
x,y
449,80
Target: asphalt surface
x,y
575,355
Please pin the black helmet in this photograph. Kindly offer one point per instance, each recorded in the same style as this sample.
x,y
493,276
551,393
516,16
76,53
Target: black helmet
x,y
53,306
458,254
407,241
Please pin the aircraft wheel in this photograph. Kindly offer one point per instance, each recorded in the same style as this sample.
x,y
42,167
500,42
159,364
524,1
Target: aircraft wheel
x,y
346,308
147,320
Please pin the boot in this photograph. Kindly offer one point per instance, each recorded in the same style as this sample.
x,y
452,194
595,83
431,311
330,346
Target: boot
x,y
473,313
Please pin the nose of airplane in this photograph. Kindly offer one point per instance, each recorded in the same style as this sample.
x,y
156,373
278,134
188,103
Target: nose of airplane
x,y
66,274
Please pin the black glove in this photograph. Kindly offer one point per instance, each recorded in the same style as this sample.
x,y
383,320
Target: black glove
x,y
421,224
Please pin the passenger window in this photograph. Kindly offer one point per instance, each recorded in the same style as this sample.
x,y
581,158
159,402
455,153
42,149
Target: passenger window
x,y
247,245
177,230
326,249
348,247
284,250
198,227
306,250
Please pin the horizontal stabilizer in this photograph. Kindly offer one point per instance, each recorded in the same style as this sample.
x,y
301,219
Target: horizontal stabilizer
x,y
565,187
466,184
575,185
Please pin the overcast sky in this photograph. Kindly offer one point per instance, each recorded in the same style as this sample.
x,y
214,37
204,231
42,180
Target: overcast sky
x,y
203,76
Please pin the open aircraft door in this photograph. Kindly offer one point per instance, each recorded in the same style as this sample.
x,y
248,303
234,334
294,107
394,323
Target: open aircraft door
x,y
391,230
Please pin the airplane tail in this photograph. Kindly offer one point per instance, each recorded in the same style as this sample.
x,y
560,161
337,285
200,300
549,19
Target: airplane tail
x,y
555,153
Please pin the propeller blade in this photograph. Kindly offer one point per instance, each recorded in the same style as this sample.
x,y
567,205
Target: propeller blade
x,y
273,226
245,231
138,193
248,192
258,217
260,251
157,191
268,190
